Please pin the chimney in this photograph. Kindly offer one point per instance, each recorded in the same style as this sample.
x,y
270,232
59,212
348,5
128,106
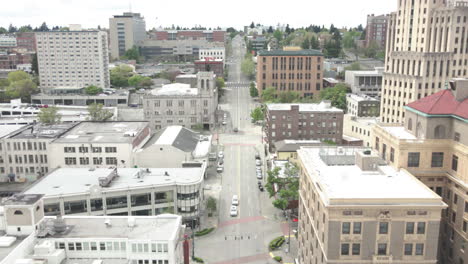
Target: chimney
x,y
459,88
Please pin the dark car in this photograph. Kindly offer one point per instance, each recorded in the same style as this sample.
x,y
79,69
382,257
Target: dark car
x,y
260,187
236,130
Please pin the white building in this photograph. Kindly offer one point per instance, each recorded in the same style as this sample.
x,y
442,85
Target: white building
x,y
99,144
126,31
7,41
123,191
365,82
172,146
32,238
362,105
217,53
73,58
359,127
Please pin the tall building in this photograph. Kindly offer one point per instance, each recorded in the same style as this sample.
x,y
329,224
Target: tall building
x,y
290,70
209,35
426,47
376,30
355,209
75,58
433,146
125,31
26,41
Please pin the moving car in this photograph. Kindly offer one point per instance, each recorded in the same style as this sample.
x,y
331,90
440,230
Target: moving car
x,y
235,200
260,186
233,210
224,122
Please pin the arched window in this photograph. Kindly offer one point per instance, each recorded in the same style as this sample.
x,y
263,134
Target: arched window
x,y
207,84
439,131
18,212
202,84
410,124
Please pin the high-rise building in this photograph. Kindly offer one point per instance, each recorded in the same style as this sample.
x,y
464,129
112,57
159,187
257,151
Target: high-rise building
x,y
426,47
290,70
75,58
376,30
126,31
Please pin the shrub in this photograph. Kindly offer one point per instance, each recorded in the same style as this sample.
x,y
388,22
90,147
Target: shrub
x,y
278,258
276,243
198,260
204,231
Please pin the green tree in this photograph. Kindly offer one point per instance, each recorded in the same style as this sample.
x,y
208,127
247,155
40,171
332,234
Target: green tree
x,y
17,76
34,64
93,90
289,97
44,27
270,30
27,28
135,80
269,95
132,54
306,43
257,114
337,95
252,25
314,44
3,30
287,186
49,115
119,75
98,113
253,90
278,35
211,204
371,50
20,85
220,83
248,66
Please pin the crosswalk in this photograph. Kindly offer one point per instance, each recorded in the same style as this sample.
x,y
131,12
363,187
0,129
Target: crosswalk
x,y
237,84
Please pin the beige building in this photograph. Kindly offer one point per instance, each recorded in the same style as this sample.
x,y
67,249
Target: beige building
x,y
355,209
73,59
290,70
359,127
426,47
433,146
126,31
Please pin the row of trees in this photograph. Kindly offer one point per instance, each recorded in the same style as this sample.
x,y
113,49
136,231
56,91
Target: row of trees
x,y
286,188
29,28
248,66
97,112
123,76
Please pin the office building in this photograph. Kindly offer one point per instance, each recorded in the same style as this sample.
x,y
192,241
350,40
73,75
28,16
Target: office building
x,y
126,31
362,105
26,41
99,145
31,237
433,146
355,209
300,71
365,82
206,65
7,41
73,59
376,30
303,122
181,49
426,47
183,105
217,53
209,35
78,97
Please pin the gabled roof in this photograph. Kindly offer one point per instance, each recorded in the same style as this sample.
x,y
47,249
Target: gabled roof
x,y
441,103
176,136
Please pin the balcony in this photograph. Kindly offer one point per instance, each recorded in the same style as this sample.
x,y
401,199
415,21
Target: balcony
x,y
382,259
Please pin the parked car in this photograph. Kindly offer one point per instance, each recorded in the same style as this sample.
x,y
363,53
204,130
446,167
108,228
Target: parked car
x,y
235,200
259,176
219,169
257,156
212,156
236,130
233,211
220,154
258,162
260,187
224,122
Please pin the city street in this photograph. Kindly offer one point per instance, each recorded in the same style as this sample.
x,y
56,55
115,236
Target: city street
x,y
245,238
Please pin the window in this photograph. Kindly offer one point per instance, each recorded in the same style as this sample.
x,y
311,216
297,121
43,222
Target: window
x,y
413,159
97,160
83,149
111,161
410,228
408,249
383,228
437,159
345,228
356,250
18,212
464,226
84,161
419,250
421,228
357,228
392,154
93,246
69,149
454,162
70,161
111,149
382,249
96,149
345,249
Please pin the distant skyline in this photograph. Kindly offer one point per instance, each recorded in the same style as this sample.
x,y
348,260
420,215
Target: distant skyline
x,y
207,13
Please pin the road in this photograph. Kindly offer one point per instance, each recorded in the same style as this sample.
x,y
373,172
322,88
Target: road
x,y
241,239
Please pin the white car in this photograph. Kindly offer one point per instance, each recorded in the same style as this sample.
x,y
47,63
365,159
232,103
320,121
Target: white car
x,y
258,162
225,116
233,210
235,200
224,123
220,154
219,169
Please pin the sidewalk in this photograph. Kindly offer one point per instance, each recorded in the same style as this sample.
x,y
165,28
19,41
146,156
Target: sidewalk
x,y
287,254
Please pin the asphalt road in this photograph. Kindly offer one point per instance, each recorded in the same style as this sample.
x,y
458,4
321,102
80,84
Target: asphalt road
x,y
241,239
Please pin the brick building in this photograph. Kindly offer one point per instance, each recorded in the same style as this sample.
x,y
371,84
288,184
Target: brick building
x,y
290,70
376,30
12,60
210,35
26,41
303,122
207,65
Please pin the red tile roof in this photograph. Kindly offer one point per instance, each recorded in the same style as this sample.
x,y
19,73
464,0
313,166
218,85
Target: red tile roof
x,y
441,103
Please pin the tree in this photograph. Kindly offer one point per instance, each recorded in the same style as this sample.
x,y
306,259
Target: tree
x,y
119,75
314,44
98,113
220,83
211,204
49,115
93,90
287,186
257,114
278,35
3,30
27,28
372,49
139,81
132,54
269,95
12,29
337,95
270,29
20,85
287,29
289,97
44,27
306,43
34,64
253,90
248,66
252,25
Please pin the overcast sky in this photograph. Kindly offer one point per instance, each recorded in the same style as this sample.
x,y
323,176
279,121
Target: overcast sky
x,y
188,13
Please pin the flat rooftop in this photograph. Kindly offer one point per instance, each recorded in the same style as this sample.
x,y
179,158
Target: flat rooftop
x,y
321,107
43,131
6,130
361,97
345,182
367,73
103,132
79,181
22,199
399,132
307,52
162,227
175,89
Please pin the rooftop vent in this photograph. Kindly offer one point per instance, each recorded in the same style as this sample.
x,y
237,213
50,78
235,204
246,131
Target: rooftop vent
x,y
105,181
131,222
59,225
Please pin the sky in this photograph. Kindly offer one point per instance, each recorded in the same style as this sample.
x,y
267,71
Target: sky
x,y
189,13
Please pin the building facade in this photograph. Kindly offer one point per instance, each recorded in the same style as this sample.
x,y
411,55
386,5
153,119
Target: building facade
x,y
362,105
303,122
7,41
426,47
209,35
187,49
207,65
300,71
78,97
217,53
14,59
365,82
26,41
376,30
126,31
433,146
355,209
359,127
183,105
73,59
